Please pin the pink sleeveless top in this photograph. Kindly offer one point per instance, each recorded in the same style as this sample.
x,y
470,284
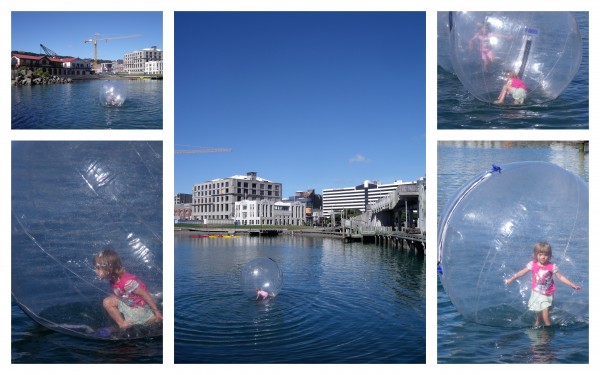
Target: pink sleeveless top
x,y
124,290
517,83
541,277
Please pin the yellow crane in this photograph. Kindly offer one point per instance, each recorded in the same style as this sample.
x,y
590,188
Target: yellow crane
x,y
201,150
95,41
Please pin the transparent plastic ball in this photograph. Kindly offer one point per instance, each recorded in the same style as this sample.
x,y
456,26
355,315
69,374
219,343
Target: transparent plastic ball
x,y
263,274
543,49
70,201
487,233
443,41
113,94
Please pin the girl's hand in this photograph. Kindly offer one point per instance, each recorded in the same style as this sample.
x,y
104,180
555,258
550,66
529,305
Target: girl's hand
x,y
158,315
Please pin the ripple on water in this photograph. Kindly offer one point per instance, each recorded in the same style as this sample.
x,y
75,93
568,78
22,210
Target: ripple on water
x,y
336,306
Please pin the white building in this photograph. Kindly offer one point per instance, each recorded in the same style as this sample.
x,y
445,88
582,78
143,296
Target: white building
x,y
357,197
106,67
215,199
135,62
74,63
266,212
153,67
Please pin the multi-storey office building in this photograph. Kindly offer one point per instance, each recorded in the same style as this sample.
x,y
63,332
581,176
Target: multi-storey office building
x,y
357,197
135,62
215,199
183,198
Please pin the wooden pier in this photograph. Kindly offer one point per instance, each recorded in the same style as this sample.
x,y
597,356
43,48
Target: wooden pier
x,y
396,239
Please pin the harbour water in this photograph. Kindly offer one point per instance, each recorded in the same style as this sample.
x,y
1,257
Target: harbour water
x,y
458,109
77,106
33,343
340,303
460,341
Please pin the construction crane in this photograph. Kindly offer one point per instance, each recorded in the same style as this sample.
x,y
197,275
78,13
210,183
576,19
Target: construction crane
x,y
48,51
95,41
201,150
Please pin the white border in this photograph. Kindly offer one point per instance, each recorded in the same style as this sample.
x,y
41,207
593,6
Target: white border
x,y
167,136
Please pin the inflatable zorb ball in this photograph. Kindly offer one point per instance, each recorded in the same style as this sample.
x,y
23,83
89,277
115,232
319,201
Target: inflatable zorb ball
x,y
443,41
542,48
487,233
71,200
261,273
113,94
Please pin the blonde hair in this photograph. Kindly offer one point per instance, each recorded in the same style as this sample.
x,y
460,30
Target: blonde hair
x,y
109,261
542,248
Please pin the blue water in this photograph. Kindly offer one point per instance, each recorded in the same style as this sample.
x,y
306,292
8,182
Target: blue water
x,y
457,109
33,343
460,341
77,106
340,303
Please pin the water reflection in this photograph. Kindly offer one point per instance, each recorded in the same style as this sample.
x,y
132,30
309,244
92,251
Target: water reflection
x,y
541,350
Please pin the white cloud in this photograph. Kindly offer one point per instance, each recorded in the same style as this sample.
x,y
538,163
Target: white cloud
x,y
358,158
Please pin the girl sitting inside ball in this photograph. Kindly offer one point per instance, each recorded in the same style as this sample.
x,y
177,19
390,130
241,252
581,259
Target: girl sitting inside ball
x,y
542,282
514,86
131,303
261,294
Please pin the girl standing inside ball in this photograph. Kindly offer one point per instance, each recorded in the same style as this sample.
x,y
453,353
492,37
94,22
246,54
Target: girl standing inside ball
x,y
542,281
131,303
485,39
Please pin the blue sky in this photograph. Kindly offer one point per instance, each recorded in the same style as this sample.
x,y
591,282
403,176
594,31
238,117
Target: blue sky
x,y
64,32
313,100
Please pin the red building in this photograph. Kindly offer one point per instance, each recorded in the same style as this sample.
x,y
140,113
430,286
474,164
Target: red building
x,y
67,66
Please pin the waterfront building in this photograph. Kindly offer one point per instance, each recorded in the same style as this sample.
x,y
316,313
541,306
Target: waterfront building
x,y
183,211
135,62
106,68
267,212
183,198
215,199
58,66
313,203
356,197
118,66
153,67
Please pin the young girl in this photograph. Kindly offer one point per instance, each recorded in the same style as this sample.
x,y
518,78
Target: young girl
x,y
484,37
516,87
131,303
542,283
261,294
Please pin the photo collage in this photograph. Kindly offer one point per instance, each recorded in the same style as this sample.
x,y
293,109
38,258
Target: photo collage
x,y
225,186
